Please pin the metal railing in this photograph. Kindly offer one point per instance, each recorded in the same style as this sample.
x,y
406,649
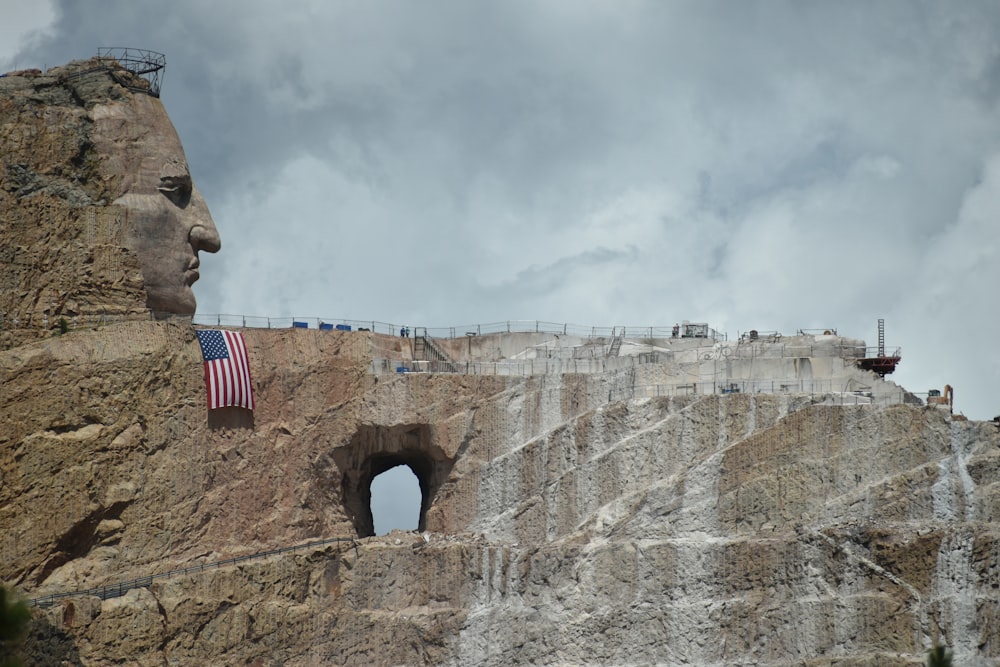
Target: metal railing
x,y
647,334
819,392
122,587
886,353
459,331
784,350
744,348
843,391
552,362
44,322
837,390
146,64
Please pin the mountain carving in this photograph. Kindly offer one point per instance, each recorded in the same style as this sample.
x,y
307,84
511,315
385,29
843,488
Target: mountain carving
x,y
567,517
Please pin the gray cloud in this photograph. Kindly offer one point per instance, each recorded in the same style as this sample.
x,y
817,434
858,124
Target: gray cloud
x,y
773,165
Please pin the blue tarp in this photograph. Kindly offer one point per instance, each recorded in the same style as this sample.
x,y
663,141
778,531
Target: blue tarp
x,y
325,326
343,327
300,325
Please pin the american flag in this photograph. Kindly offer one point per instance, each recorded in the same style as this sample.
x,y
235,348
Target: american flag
x,y
227,371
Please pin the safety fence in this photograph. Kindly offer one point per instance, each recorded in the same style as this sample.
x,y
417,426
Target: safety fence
x,y
72,322
818,392
883,353
828,391
645,334
519,367
121,588
844,391
460,331
788,349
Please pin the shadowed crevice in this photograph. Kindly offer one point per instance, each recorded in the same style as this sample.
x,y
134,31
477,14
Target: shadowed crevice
x,y
375,449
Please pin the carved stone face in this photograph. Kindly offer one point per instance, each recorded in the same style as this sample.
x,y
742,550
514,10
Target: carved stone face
x,y
167,221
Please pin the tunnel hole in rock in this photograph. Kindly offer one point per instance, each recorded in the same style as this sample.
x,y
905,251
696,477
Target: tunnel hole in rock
x,y
374,449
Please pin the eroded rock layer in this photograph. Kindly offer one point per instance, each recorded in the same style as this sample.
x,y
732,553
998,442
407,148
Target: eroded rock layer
x,y
559,527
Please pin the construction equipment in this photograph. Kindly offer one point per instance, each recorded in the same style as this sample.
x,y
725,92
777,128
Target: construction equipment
x,y
935,397
880,362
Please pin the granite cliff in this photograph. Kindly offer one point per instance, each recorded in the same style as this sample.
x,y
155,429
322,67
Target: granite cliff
x,y
559,528
569,515
100,219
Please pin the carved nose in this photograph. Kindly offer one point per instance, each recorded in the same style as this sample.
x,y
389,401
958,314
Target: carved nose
x,y
205,238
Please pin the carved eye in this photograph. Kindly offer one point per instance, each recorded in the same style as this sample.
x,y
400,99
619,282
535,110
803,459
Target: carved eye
x,y
177,189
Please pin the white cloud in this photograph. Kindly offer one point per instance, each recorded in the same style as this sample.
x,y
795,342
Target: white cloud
x,y
950,312
754,164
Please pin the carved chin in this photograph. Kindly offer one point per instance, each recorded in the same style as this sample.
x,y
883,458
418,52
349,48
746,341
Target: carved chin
x,y
176,300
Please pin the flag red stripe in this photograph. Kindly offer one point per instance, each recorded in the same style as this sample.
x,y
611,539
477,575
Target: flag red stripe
x,y
227,381
244,360
242,370
238,370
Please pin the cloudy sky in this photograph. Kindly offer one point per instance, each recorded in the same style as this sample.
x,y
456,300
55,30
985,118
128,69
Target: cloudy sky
x,y
770,165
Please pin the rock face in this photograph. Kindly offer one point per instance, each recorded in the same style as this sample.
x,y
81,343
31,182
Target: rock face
x,y
560,528
99,214
676,502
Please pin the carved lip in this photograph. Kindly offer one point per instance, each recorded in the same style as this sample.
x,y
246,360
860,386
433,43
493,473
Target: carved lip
x,y
191,274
